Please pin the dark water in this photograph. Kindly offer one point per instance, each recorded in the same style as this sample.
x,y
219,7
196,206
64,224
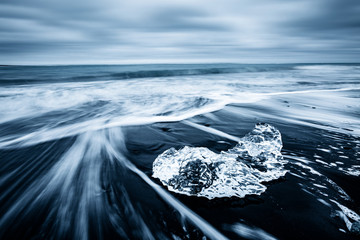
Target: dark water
x,y
77,144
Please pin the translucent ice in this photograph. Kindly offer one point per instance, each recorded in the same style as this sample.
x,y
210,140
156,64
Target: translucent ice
x,y
240,171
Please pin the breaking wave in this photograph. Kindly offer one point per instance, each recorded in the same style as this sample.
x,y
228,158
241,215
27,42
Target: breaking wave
x,y
30,75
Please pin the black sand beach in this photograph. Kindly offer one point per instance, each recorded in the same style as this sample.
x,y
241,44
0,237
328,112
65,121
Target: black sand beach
x,y
83,169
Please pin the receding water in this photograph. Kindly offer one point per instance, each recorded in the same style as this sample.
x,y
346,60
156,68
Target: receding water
x,y
78,143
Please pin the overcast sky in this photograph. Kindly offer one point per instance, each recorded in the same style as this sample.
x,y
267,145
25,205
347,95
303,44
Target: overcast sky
x,y
164,31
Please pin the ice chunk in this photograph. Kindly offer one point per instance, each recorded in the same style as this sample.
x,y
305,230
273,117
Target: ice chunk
x,y
237,172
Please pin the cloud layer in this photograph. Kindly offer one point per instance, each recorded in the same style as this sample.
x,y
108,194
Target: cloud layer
x,y
139,31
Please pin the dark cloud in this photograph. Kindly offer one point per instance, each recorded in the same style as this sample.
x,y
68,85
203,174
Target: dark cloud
x,y
331,15
111,31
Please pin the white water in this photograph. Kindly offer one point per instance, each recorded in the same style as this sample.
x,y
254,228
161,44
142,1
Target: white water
x,y
48,111
84,157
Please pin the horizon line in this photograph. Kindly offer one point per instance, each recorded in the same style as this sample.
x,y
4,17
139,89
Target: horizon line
x,y
180,63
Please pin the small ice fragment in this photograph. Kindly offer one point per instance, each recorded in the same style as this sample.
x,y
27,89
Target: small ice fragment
x,y
237,172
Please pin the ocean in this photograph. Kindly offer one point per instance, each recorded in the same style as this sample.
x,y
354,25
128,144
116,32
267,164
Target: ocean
x,y
180,151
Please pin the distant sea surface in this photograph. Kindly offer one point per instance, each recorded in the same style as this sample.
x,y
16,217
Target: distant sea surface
x,y
77,146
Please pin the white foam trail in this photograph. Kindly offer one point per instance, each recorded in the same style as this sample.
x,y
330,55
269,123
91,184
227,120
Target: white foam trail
x,y
212,131
59,177
204,226
49,134
301,120
72,189
327,67
252,233
207,229
324,202
86,152
307,91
